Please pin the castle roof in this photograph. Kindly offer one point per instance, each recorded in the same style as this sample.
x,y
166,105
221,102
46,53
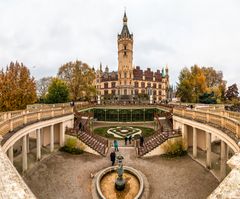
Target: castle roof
x,y
125,33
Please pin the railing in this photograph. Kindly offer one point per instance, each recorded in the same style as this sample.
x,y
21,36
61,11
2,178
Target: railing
x,y
216,118
22,118
219,109
167,108
151,142
87,128
58,105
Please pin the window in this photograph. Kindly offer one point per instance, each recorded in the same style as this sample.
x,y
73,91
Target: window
x,y
113,84
106,85
149,85
143,91
136,84
154,85
154,92
125,91
136,91
106,92
143,84
125,74
113,92
125,50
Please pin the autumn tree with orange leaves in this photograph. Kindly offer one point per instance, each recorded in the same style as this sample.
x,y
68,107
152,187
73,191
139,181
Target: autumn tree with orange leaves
x,y
196,82
17,87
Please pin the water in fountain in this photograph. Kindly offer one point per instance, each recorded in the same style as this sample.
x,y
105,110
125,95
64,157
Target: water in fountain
x,y
108,186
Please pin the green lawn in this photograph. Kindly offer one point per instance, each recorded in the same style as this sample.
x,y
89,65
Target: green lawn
x,y
102,131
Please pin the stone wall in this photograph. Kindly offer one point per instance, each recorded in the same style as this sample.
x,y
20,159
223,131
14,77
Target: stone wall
x,y
11,183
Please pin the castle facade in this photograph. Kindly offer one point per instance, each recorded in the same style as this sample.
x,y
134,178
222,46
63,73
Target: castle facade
x,y
129,82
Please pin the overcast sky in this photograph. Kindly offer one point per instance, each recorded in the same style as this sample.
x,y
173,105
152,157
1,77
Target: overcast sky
x,y
44,34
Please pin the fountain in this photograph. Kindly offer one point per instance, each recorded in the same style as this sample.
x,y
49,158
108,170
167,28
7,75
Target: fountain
x,y
120,182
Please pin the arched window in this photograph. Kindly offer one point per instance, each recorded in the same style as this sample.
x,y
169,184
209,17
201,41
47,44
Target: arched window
x,y
125,50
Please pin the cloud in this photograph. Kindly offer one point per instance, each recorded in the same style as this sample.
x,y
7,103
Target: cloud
x,y
46,34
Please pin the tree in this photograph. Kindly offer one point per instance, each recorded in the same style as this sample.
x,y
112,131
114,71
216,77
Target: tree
x,y
207,98
232,92
79,78
184,87
57,92
17,87
201,81
215,82
42,87
192,83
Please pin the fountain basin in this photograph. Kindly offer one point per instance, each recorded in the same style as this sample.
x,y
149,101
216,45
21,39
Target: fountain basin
x,y
105,183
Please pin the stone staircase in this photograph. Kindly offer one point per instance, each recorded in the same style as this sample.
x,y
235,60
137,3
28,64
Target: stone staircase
x,y
151,143
154,141
95,142
162,134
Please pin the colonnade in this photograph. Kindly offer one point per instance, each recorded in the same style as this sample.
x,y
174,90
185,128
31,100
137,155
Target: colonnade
x,y
208,147
25,143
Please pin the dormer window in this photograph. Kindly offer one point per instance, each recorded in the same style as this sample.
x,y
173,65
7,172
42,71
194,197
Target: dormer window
x,y
125,50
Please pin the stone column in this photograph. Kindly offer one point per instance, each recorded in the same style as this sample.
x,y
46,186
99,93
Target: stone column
x,y
24,153
227,153
62,135
38,135
223,160
185,136
42,136
28,148
209,150
51,138
10,154
194,142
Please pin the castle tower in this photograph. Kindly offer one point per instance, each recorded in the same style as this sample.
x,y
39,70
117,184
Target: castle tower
x,y
125,59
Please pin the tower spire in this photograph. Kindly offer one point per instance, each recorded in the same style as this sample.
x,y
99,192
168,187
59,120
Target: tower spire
x,y
125,17
125,32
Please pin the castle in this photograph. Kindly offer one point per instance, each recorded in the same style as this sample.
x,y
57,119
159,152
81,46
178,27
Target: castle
x,y
129,82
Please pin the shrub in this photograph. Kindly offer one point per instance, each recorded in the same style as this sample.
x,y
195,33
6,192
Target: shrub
x,y
71,142
71,147
174,149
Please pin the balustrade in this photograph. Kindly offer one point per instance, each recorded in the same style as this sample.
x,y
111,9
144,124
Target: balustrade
x,y
222,119
21,118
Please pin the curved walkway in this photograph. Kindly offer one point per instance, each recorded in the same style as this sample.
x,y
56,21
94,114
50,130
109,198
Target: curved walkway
x,y
69,176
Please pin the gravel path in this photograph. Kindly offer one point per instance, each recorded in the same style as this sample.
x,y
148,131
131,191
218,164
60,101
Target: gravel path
x,y
63,176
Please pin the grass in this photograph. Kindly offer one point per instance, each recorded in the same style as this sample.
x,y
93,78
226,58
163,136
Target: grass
x,y
102,131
